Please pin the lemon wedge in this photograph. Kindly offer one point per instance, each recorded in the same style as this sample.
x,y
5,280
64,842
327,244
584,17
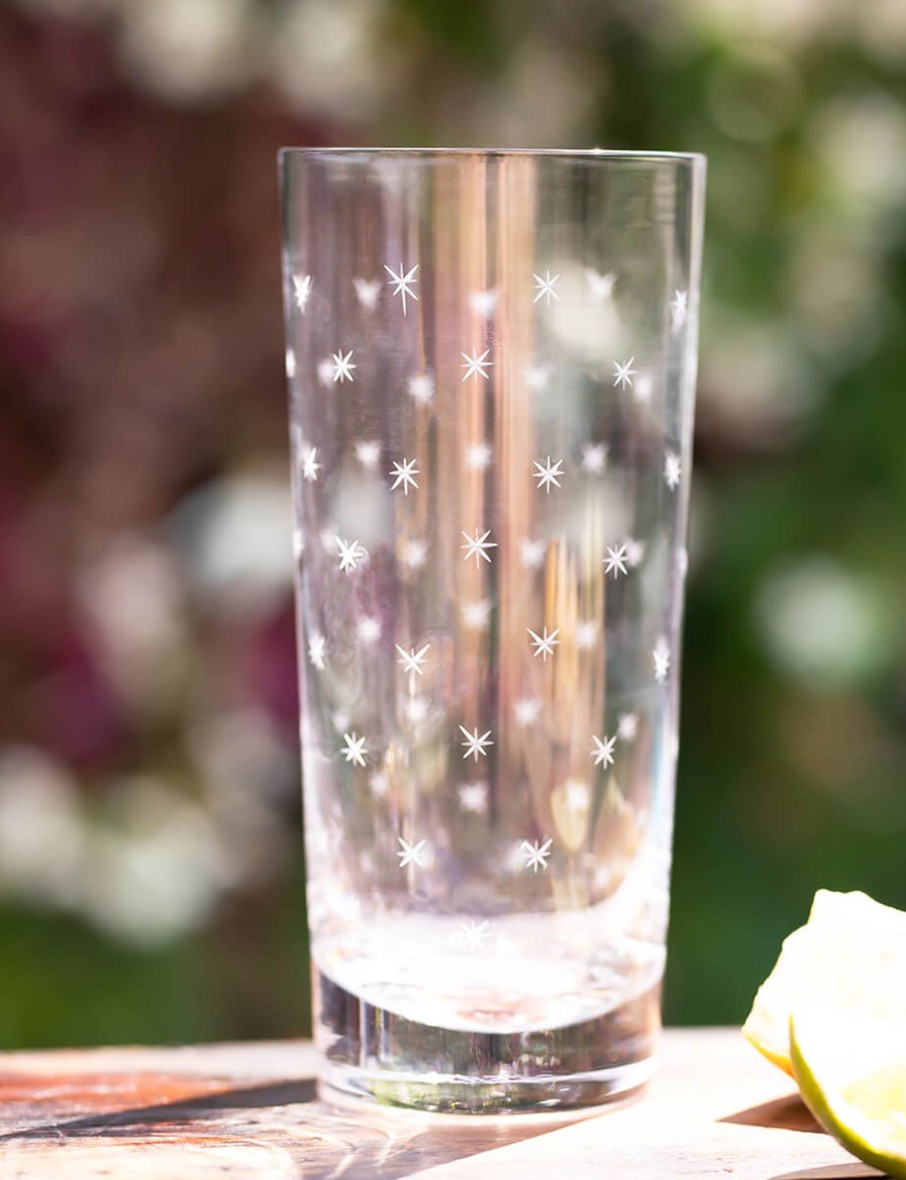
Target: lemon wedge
x,y
851,1071
850,956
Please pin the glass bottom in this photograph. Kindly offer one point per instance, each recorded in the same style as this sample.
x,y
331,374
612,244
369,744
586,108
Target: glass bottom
x,y
374,1054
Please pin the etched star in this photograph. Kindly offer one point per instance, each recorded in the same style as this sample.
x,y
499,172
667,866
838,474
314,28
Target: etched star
x,y
544,644
628,726
475,745
367,292
301,290
421,388
475,615
526,710
661,659
368,453
478,456
342,366
478,546
600,285
673,470
602,750
414,553
535,855
537,377
594,458
483,302
544,287
412,660
416,709
412,853
586,634
325,371
317,650
475,365
624,373
369,629
355,749
310,465
546,474
615,561
679,307
402,283
350,553
379,784
531,553
577,794
405,473
472,935
474,797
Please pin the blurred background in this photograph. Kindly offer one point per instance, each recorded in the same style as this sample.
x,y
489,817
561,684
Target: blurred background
x,y
151,872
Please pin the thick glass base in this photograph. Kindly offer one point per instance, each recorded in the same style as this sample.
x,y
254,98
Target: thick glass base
x,y
375,1054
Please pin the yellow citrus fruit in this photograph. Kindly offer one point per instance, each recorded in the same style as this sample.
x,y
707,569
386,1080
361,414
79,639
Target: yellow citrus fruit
x,y
851,1071
850,956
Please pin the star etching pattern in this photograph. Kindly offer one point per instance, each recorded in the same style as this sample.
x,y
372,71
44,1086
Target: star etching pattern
x,y
402,283
412,660
478,456
310,464
369,629
537,377
301,290
679,308
544,644
531,553
342,366
547,474
413,553
317,650
368,452
673,470
535,854
600,285
405,473
661,659
350,554
602,750
526,710
594,458
421,388
483,303
478,547
623,373
472,935
616,559
476,615
412,853
473,797
355,749
474,745
545,287
367,292
628,726
475,365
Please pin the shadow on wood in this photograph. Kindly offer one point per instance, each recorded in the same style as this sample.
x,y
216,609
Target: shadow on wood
x,y
854,1171
786,1114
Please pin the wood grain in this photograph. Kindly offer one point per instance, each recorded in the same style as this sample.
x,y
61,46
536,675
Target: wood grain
x,y
252,1111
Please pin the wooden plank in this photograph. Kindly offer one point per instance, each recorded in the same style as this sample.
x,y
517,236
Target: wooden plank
x,y
252,1112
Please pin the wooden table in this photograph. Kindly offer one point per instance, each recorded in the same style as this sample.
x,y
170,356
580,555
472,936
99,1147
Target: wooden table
x,y
252,1111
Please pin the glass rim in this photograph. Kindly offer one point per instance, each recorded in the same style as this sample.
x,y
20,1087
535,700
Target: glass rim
x,y
631,156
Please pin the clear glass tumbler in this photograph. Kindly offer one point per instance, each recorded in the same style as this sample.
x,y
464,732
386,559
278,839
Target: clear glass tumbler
x,y
491,358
